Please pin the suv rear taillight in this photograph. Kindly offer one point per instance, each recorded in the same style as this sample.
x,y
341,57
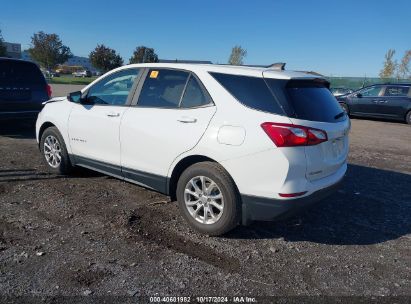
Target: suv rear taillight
x,y
289,135
49,91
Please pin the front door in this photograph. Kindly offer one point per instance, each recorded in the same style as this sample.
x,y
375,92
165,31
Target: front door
x,y
94,124
364,102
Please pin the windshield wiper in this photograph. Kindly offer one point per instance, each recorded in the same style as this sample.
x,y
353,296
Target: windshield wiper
x,y
339,115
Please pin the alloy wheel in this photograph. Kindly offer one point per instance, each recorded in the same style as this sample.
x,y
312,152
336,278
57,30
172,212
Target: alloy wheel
x,y
52,151
204,200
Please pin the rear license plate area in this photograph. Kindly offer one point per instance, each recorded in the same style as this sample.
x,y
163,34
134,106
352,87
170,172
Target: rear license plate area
x,y
338,146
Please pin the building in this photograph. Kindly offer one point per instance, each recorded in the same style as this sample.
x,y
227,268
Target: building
x,y
13,49
75,61
81,61
26,56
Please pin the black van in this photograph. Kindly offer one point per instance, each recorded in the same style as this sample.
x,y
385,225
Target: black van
x,y
23,89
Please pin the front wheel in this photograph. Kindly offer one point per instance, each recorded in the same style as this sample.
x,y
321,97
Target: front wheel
x,y
54,151
208,198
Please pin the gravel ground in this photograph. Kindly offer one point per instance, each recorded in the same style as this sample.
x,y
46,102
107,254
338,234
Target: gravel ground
x,y
90,234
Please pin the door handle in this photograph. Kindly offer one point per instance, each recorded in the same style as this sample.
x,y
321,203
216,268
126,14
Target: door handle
x,y
185,119
112,114
383,101
375,101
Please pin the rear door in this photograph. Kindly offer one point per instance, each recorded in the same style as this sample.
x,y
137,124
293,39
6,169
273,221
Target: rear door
x,y
312,105
23,87
168,118
394,102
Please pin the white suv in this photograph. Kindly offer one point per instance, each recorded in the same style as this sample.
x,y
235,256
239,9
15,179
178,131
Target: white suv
x,y
232,144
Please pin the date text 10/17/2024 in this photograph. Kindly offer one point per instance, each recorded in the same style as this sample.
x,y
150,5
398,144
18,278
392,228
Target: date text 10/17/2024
x,y
171,299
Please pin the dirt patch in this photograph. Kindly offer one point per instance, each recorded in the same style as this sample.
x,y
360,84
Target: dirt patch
x,y
88,277
143,223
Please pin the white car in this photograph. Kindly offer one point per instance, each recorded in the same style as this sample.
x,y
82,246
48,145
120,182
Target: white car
x,y
232,144
84,73
337,92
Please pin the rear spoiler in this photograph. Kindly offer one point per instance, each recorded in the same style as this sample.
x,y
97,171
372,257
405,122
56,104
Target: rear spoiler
x,y
279,66
308,83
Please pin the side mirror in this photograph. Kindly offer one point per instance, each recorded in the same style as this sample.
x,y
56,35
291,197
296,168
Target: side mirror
x,y
74,97
359,95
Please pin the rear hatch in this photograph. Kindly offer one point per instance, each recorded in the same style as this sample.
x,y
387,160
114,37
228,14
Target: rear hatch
x,y
309,103
22,86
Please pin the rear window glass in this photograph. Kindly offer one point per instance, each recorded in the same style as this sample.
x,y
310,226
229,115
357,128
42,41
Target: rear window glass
x,y
194,95
311,100
396,91
163,88
14,73
250,91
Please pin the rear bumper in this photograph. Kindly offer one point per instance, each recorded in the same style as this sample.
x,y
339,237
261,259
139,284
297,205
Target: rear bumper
x,y
265,209
19,115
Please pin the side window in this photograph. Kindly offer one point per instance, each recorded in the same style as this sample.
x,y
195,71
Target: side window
x,y
253,92
371,91
113,89
162,88
194,95
396,91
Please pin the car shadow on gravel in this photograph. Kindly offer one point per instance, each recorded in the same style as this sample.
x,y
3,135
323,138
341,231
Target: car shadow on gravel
x,y
18,129
372,206
14,175
23,175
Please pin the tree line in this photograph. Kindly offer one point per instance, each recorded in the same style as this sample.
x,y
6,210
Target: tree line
x,y
3,50
49,51
392,68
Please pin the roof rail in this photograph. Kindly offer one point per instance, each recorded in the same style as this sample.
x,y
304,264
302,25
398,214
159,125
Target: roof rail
x,y
184,61
394,83
277,66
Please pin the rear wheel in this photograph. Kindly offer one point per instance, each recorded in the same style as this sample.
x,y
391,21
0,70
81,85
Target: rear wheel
x,y
208,198
55,152
408,117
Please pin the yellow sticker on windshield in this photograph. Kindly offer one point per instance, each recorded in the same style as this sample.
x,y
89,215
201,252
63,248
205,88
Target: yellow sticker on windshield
x,y
153,74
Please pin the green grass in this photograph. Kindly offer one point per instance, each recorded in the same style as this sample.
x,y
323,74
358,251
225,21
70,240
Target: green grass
x,y
71,80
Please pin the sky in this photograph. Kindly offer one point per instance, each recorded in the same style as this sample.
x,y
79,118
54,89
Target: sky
x,y
335,38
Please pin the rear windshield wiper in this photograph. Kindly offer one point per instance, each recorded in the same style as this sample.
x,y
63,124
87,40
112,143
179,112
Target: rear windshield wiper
x,y
339,115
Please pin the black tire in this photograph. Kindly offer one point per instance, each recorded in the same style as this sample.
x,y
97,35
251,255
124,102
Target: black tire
x,y
65,166
230,216
345,108
408,117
